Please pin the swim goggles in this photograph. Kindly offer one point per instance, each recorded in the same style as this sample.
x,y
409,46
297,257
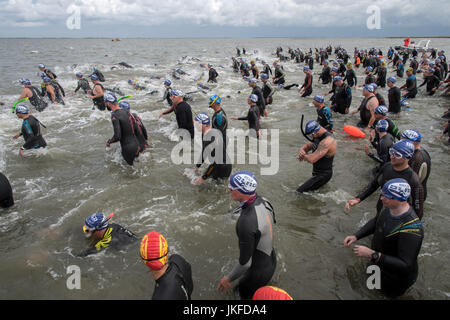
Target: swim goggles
x,y
394,153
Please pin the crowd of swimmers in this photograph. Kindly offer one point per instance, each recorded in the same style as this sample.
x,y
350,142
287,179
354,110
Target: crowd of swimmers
x,y
401,171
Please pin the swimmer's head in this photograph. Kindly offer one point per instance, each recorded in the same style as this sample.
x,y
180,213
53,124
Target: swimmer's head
x,y
382,125
202,118
95,222
22,109
396,189
412,135
154,250
214,99
244,182
124,105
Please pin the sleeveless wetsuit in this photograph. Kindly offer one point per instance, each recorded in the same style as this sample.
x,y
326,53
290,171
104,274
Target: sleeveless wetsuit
x,y
124,132
31,132
398,239
99,102
257,259
364,113
342,98
176,282
322,169
6,194
421,164
36,100
139,131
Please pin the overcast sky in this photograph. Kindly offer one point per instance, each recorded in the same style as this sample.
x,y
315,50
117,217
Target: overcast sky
x,y
222,18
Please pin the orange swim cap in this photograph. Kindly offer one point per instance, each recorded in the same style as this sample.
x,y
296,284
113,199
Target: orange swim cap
x,y
271,293
154,250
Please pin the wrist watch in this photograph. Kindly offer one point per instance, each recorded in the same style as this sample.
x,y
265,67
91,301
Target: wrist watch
x,y
375,256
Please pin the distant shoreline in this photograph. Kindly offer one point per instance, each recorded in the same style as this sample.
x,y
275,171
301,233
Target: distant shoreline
x,y
121,38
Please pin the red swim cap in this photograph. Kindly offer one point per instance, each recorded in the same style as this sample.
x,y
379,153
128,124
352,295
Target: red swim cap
x,y
154,250
271,293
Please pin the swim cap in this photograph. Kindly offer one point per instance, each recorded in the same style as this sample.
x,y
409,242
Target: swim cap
x,y
46,79
214,99
271,293
22,109
410,70
412,135
437,60
109,97
210,65
276,64
167,83
124,105
326,62
432,70
392,80
96,221
374,85
94,77
154,250
312,127
334,69
264,76
405,148
369,88
397,189
319,98
25,82
243,181
306,68
382,125
41,66
79,75
382,110
432,63
176,93
252,80
203,118
335,63
369,68
253,97
337,78
340,60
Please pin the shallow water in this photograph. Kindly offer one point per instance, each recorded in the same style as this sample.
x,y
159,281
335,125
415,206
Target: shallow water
x,y
55,189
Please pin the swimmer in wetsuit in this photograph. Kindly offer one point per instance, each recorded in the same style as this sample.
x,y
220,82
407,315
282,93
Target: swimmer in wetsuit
x,y
33,95
212,74
350,76
342,96
397,239
6,193
410,85
82,84
324,117
261,103
367,108
254,228
123,129
139,129
382,145
214,146
267,89
172,274
53,92
325,75
97,227
323,147
306,89
421,160
394,96
97,94
252,117
400,153
31,130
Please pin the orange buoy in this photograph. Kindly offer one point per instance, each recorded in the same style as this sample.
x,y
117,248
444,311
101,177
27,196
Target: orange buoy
x,y
354,131
271,293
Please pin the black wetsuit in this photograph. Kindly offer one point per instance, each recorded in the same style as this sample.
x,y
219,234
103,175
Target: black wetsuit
x,y
387,173
394,97
99,102
261,103
307,85
212,75
432,82
139,131
324,118
382,145
369,79
325,75
253,119
381,101
364,113
6,193
381,80
58,94
176,283
342,98
421,161
411,86
322,169
36,99
53,77
31,132
257,259
100,76
124,132
279,74
183,114
268,92
166,96
342,70
116,237
350,76
83,84
236,66
398,239
267,69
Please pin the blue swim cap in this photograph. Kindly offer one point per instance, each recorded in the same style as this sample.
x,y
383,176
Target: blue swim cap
x,y
46,79
215,99
94,77
243,181
96,221
22,109
392,80
253,97
41,66
334,69
382,125
437,60
109,97
319,98
383,110
25,82
124,105
432,70
312,127
374,85
397,189
337,78
326,62
369,68
203,118
306,68
79,75
405,148
168,83
412,135
252,80
176,93
264,76
369,88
